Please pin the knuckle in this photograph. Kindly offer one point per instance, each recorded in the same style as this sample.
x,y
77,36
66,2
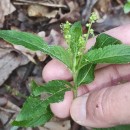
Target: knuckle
x,y
98,108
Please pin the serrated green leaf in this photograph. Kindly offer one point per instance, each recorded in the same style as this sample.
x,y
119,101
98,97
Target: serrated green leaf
x,y
33,122
103,40
75,32
51,87
34,107
123,127
127,7
35,43
114,54
86,74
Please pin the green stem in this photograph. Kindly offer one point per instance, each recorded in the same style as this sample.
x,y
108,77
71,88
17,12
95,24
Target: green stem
x,y
76,71
88,32
74,75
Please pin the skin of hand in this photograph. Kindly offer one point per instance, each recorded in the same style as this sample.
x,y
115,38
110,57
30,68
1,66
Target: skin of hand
x,y
103,103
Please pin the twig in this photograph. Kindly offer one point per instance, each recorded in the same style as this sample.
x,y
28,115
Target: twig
x,y
19,3
44,4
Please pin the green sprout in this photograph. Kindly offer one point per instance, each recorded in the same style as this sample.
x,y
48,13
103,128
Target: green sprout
x,y
36,111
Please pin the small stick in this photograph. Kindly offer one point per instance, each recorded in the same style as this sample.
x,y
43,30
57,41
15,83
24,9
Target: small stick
x,y
41,3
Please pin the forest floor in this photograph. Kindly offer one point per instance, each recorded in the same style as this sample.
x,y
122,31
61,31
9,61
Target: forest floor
x,y
19,66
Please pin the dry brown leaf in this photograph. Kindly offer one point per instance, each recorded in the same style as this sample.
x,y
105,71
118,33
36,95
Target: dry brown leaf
x,y
60,125
3,101
7,114
41,11
9,61
5,8
74,13
30,54
56,124
103,5
55,38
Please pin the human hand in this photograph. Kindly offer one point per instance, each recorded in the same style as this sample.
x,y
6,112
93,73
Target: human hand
x,y
103,103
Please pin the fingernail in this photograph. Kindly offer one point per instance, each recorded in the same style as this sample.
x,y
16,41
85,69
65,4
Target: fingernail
x,y
78,110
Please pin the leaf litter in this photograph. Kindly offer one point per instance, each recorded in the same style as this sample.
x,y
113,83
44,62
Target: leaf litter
x,y
48,26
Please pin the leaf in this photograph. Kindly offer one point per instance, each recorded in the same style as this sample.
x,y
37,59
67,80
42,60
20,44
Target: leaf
x,y
75,32
127,7
103,40
36,43
51,87
114,54
123,127
33,122
36,111
86,74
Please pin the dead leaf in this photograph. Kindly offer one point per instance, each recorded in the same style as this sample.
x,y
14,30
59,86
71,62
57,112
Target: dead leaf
x,y
56,124
30,54
5,8
10,59
41,11
60,125
7,114
74,13
3,101
54,38
103,5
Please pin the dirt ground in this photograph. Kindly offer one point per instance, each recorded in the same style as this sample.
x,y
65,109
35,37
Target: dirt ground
x,y
18,66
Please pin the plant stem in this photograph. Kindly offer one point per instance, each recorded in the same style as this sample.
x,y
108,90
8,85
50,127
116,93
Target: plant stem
x,y
88,32
76,66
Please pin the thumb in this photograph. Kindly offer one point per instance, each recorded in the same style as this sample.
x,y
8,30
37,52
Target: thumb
x,y
103,108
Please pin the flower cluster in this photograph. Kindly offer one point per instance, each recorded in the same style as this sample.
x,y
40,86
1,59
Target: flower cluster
x,y
65,28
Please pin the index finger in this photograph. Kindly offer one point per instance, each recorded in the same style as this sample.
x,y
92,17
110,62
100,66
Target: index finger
x,y
51,72
122,33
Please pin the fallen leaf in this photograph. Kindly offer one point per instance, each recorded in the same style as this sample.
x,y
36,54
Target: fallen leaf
x,y
7,114
41,11
9,61
103,5
54,38
30,54
6,8
3,101
60,125
74,13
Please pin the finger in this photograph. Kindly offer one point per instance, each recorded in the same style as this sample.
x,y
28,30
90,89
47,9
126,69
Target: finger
x,y
107,76
103,108
56,70
62,109
122,33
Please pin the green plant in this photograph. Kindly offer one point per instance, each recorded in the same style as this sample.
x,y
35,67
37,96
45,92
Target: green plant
x,y
127,7
36,111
